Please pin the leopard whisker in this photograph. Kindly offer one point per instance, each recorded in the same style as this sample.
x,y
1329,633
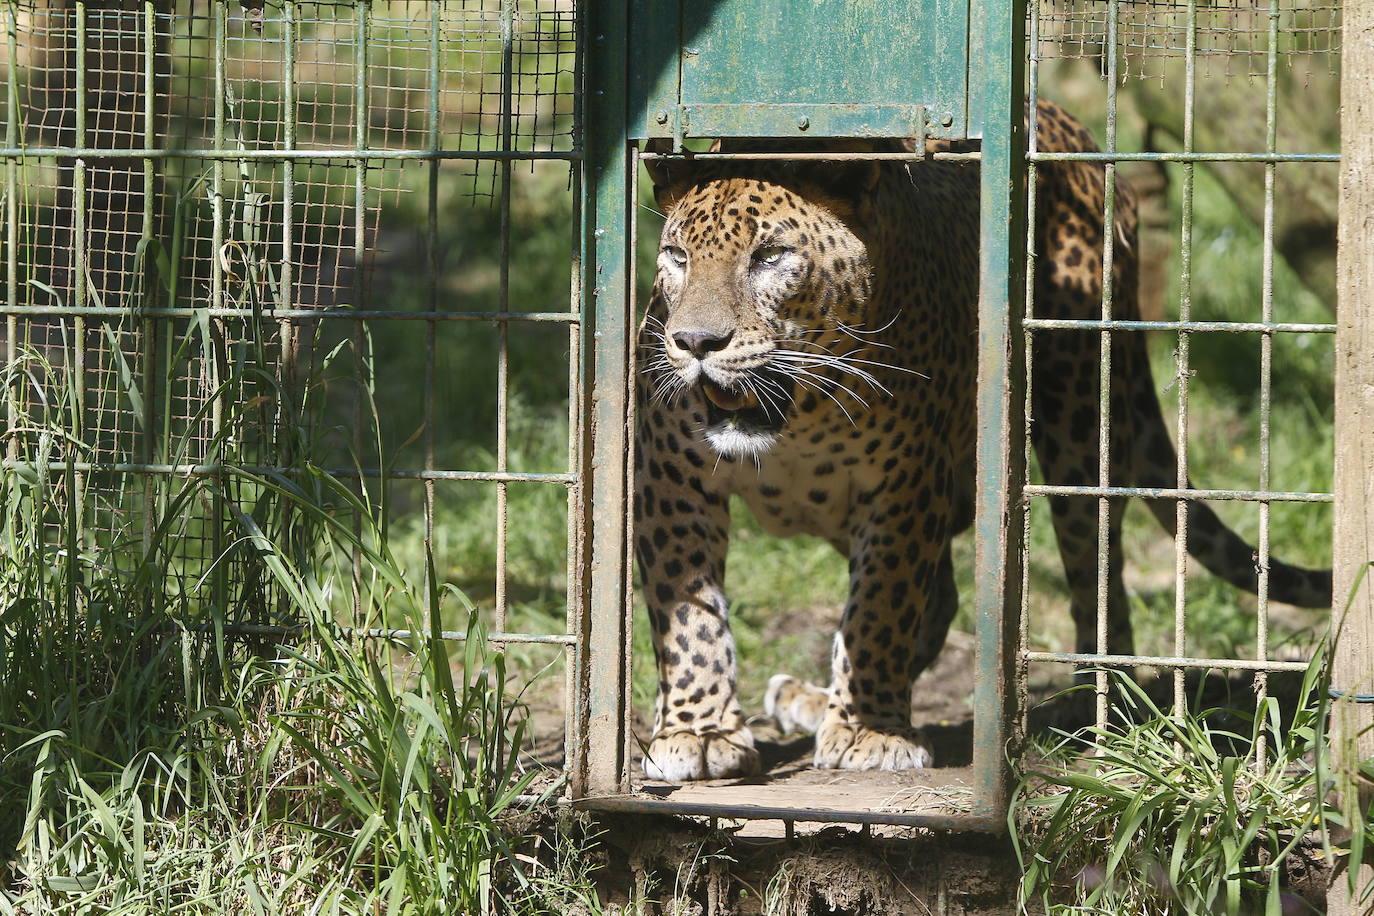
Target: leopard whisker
x,y
811,384
813,360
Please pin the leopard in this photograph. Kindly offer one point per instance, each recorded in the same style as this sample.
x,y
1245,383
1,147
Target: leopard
x,y
810,347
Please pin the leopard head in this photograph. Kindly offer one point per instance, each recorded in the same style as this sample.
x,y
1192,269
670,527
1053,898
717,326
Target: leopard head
x,y
762,267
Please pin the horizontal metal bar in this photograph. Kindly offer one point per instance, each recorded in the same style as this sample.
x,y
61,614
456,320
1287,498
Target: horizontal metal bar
x,y
1183,157
631,804
1162,661
343,314
1254,496
277,630
1233,327
273,155
206,470
820,156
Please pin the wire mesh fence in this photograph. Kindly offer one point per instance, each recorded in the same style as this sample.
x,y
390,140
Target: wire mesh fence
x,y
1279,324
229,234
229,237
1229,38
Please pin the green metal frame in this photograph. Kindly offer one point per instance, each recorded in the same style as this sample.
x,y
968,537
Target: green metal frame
x,y
664,69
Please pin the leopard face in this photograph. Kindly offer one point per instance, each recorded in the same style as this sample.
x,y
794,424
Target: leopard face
x,y
756,279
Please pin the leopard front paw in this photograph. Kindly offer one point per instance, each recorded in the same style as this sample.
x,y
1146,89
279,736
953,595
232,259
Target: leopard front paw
x,y
842,746
685,756
794,704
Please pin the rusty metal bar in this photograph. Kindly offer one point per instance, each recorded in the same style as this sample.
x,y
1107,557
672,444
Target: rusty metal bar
x,y
1186,156
577,621
294,632
147,446
344,314
1028,374
283,155
508,13
815,156
432,256
189,470
1104,410
997,29
76,519
1266,373
362,14
1232,327
1189,493
1181,353
1164,661
12,222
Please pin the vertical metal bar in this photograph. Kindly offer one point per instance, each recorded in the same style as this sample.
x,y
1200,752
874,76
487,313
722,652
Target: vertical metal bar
x,y
76,521
998,28
632,286
502,327
149,325
1185,311
361,14
219,586
1104,409
577,623
1027,407
1266,370
432,237
607,310
12,221
287,278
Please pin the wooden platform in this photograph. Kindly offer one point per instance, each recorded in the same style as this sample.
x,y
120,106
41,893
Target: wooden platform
x,y
807,799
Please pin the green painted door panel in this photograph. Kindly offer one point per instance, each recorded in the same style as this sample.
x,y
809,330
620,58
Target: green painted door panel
x,y
780,68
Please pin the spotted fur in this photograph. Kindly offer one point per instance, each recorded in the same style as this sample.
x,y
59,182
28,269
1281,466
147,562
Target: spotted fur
x,y
810,346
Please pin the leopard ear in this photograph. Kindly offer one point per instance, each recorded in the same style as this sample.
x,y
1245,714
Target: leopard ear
x,y
671,177
846,179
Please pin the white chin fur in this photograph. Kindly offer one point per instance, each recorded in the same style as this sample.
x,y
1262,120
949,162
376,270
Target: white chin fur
x,y
731,440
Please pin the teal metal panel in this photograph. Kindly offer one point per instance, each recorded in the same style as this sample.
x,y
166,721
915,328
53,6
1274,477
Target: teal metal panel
x,y
802,120
998,97
655,68
808,68
607,309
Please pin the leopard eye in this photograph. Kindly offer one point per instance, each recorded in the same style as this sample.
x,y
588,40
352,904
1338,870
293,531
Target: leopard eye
x,y
676,255
769,255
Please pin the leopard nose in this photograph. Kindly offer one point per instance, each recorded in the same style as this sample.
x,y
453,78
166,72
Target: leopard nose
x,y
699,341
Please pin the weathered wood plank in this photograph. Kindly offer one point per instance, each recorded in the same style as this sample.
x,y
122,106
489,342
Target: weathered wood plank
x,y
1353,665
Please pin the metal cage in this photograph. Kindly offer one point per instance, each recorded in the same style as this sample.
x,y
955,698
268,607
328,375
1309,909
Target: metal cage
x,y
256,148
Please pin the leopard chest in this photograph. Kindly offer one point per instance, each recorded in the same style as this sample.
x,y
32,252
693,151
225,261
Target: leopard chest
x,y
807,487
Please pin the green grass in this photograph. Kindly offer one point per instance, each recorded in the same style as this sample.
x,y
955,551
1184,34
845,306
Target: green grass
x,y
149,764
1160,813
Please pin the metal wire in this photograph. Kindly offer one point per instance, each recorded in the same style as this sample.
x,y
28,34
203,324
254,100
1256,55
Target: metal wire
x,y
1230,36
1118,34
197,198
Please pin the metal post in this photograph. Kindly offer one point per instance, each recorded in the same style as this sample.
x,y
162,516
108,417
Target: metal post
x,y
999,28
607,310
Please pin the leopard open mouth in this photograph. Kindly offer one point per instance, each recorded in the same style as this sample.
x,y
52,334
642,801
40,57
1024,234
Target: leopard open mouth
x,y
746,419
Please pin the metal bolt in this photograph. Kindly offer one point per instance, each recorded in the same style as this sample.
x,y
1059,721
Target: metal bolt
x,y
661,117
803,122
947,119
